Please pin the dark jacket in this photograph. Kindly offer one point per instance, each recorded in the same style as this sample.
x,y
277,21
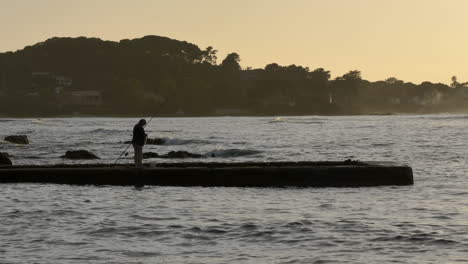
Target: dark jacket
x,y
139,135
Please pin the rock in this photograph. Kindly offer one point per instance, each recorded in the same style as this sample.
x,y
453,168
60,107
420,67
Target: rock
x,y
155,141
79,155
172,155
181,155
5,160
149,155
17,139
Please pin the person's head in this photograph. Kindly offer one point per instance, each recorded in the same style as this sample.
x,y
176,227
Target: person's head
x,y
142,122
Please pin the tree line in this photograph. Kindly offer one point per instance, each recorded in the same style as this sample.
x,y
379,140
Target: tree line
x,y
153,73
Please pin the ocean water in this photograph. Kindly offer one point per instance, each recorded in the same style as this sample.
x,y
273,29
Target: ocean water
x,y
424,223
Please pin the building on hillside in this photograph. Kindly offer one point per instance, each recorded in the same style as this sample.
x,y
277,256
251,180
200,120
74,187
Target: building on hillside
x,y
429,98
48,82
85,98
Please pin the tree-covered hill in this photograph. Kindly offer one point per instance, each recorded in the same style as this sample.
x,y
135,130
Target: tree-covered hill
x,y
141,75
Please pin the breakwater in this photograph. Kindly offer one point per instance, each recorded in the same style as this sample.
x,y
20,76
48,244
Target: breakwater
x,y
250,174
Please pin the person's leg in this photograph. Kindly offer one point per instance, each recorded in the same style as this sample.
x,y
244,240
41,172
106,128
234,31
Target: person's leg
x,y
134,155
139,156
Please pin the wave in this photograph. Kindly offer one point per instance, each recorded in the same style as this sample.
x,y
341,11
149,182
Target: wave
x,y
460,117
240,143
297,121
178,141
103,130
38,121
25,132
417,238
169,131
231,153
225,153
383,144
174,141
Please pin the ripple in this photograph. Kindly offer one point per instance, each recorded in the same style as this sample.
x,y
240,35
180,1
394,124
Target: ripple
x,y
249,226
87,224
140,254
153,218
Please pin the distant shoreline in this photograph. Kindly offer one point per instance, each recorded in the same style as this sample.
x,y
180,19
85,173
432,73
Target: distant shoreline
x,y
206,116
89,77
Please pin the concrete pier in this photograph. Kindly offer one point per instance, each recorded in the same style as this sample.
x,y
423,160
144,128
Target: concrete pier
x,y
272,174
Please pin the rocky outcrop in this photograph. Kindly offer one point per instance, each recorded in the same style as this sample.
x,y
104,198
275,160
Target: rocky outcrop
x,y
5,159
150,155
79,155
173,155
155,141
17,139
181,155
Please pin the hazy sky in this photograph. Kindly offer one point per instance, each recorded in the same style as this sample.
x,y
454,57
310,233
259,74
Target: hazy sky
x,y
413,40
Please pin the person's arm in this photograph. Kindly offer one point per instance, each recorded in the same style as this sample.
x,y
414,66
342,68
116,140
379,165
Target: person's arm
x,y
145,136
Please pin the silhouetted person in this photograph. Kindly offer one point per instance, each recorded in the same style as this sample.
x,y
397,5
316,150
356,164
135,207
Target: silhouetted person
x,y
138,141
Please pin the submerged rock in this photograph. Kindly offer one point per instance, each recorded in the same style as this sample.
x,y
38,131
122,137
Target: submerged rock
x,y
17,139
149,155
227,153
173,155
79,154
155,141
181,155
4,159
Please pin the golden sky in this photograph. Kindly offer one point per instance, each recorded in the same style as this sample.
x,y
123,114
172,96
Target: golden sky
x,y
413,40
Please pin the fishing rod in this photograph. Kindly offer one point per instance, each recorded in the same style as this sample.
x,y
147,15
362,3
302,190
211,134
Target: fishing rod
x,y
149,121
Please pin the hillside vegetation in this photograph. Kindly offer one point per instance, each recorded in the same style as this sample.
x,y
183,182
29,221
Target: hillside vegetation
x,y
153,73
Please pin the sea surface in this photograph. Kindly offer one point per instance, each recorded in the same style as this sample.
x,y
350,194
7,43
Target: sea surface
x,y
424,223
